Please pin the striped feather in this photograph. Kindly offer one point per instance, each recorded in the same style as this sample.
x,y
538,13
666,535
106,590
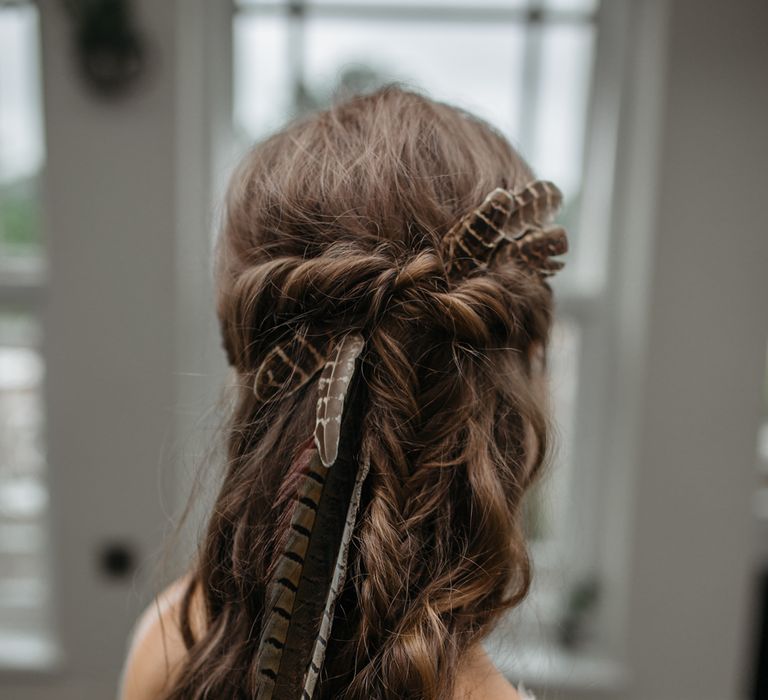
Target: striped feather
x,y
281,594
535,206
502,216
289,365
304,574
332,387
322,557
471,243
337,583
536,246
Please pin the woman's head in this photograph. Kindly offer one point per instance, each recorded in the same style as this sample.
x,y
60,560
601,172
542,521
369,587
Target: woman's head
x,y
336,223
392,166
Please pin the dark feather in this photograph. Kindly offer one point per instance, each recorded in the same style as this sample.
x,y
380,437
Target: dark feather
x,y
322,556
537,246
306,574
281,592
337,583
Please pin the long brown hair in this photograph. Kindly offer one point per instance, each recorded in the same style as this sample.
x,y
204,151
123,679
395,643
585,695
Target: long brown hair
x,y
337,220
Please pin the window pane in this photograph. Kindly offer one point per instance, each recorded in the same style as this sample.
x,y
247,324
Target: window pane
x,y
24,599
21,131
505,4
263,94
581,6
546,505
557,147
477,66
25,633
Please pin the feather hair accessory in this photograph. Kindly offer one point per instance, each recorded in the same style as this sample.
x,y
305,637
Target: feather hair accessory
x,y
310,571
311,568
506,217
290,364
516,222
332,390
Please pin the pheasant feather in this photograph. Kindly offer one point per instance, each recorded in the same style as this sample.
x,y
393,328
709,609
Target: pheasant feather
x,y
289,365
502,217
535,248
332,389
281,593
305,575
339,576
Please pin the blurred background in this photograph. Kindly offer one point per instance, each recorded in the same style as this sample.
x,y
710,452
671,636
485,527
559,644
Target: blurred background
x,y
120,121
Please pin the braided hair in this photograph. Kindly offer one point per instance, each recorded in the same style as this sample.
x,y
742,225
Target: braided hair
x,y
333,223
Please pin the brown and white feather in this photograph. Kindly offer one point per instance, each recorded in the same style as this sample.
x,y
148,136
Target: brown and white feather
x,y
282,590
289,365
503,217
337,583
332,387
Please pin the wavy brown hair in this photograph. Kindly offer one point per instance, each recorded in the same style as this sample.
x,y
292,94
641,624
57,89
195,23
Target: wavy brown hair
x,y
335,222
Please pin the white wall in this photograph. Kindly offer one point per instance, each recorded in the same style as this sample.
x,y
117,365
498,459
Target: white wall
x,y
706,364
689,552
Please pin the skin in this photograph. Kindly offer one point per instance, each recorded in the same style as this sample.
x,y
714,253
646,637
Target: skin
x,y
157,652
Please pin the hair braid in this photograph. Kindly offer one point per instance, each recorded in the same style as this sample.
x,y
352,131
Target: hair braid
x,y
336,224
414,580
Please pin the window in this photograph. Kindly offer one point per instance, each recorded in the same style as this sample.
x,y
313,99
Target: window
x,y
527,66
24,564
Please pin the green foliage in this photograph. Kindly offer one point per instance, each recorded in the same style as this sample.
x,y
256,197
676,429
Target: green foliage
x,y
20,221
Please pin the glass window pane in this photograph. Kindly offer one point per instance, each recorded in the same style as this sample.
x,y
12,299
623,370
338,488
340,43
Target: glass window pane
x,y
581,6
24,593
557,148
477,66
546,505
505,4
21,131
263,92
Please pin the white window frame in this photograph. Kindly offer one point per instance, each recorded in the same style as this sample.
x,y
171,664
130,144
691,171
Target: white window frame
x,y
23,282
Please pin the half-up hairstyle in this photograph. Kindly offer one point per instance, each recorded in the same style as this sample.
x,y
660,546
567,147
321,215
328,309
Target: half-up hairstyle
x,y
339,223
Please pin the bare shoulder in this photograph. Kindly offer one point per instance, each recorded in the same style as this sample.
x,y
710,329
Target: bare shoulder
x,y
156,648
157,651
479,679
